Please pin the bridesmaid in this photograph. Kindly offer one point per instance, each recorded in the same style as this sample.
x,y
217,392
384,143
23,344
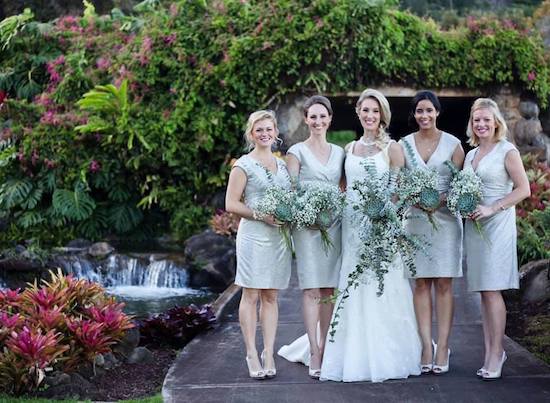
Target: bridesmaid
x,y
263,259
428,148
317,160
492,258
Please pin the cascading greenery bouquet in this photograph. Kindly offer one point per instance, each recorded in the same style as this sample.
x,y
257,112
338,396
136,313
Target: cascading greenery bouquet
x,y
318,205
383,235
464,193
278,202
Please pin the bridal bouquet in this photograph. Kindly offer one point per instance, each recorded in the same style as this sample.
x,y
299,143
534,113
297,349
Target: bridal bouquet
x,y
318,205
464,193
383,236
278,202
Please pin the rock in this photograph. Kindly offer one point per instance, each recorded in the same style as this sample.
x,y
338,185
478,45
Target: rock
x,y
140,355
79,244
128,343
290,118
100,250
57,378
110,361
75,388
535,281
99,361
527,132
213,260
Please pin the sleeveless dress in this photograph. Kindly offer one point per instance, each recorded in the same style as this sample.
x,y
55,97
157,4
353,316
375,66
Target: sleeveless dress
x,y
444,254
491,259
317,267
376,338
263,259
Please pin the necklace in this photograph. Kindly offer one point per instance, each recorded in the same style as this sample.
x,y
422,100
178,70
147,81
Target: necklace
x,y
368,143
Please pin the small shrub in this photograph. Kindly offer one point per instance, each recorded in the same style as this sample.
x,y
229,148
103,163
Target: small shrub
x,y
59,325
225,223
177,326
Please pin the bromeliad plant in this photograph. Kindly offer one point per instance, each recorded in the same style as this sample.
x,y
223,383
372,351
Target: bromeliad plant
x,y
61,324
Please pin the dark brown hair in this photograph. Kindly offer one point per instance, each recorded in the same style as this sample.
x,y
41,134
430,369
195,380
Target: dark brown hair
x,y
317,99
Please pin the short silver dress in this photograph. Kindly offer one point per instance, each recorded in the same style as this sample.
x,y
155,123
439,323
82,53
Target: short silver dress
x,y
444,253
263,258
317,267
491,258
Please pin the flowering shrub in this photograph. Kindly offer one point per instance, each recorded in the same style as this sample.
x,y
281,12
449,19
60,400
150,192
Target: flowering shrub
x,y
225,223
179,97
61,324
533,216
177,326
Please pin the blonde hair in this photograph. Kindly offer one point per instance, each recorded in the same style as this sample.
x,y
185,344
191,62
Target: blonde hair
x,y
501,129
382,138
254,118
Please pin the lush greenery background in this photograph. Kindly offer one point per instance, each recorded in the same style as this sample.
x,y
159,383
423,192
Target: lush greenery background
x,y
145,154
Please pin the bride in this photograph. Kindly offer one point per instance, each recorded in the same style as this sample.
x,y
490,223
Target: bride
x,y
376,336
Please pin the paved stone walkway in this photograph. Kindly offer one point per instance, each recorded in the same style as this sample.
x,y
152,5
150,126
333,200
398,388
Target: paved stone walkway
x,y
212,368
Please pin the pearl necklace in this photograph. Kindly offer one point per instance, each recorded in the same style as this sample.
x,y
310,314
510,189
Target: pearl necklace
x,y
368,143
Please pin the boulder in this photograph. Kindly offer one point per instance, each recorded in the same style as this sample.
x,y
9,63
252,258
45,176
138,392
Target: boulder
x,y
129,342
110,361
79,244
100,250
57,378
213,260
290,118
140,355
535,281
74,388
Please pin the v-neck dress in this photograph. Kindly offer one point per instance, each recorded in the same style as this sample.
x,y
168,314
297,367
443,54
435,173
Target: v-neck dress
x,y
317,267
444,251
263,258
491,258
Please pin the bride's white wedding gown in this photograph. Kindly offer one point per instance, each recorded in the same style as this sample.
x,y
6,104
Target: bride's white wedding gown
x,y
376,337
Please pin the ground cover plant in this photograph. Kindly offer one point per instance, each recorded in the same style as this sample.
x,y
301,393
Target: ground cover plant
x,y
125,125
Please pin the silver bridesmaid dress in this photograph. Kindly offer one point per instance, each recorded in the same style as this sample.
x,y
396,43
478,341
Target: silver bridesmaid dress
x,y
317,267
263,258
491,258
444,253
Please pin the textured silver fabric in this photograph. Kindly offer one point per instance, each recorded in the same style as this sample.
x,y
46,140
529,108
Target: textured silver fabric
x,y
263,259
492,258
444,253
316,267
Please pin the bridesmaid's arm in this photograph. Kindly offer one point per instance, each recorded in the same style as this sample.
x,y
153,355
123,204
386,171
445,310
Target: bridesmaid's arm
x,y
458,157
293,166
397,156
514,167
234,194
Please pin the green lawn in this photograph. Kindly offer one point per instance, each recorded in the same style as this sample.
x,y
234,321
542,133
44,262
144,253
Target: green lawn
x,y
5,399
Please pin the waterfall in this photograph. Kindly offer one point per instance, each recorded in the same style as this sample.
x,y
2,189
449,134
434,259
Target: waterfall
x,y
131,276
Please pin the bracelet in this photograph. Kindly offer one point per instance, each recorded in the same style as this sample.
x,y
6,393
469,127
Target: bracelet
x,y
502,207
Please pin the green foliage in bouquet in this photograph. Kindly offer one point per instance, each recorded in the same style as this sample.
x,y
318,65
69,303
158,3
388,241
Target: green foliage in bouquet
x,y
131,120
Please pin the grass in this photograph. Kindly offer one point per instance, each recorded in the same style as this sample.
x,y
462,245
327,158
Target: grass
x,y
7,399
537,336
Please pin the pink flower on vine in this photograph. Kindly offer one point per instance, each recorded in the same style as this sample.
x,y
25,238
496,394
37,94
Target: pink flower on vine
x,y
169,39
102,63
95,166
173,9
531,76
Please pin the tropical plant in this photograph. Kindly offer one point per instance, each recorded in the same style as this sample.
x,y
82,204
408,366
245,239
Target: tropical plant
x,y
61,324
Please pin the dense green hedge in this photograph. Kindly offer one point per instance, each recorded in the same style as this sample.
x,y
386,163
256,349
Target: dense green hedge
x,y
148,156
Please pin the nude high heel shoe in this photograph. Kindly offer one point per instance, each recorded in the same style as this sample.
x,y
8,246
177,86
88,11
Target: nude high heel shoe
x,y
442,369
258,375
427,368
492,375
269,372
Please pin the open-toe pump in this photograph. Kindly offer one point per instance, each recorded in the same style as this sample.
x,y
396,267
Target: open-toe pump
x,y
260,374
269,372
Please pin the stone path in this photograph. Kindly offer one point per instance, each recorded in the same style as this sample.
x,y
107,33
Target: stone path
x,y
212,367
